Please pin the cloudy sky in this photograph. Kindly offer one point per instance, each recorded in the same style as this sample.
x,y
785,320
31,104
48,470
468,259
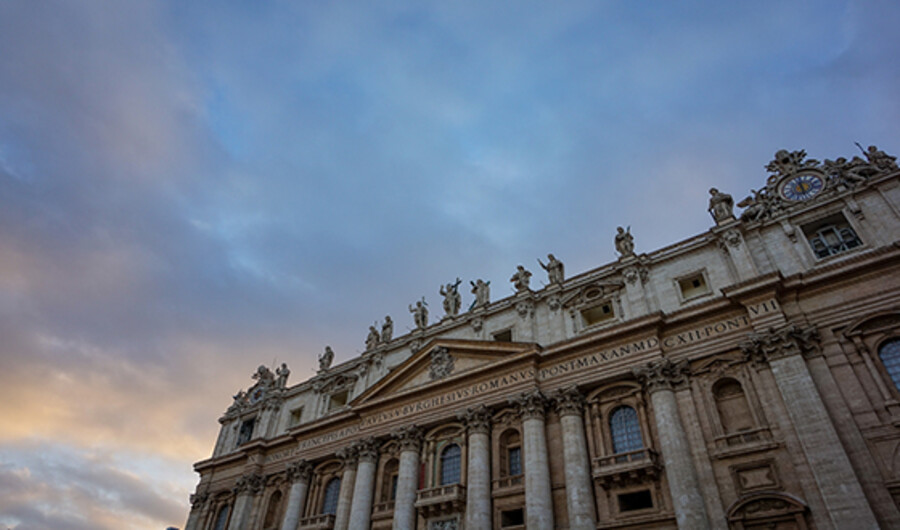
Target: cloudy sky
x,y
190,189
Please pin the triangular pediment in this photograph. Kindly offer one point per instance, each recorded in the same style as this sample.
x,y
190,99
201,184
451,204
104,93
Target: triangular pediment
x,y
442,360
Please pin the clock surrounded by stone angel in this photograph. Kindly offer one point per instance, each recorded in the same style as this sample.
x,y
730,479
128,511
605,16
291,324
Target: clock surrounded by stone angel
x,y
802,187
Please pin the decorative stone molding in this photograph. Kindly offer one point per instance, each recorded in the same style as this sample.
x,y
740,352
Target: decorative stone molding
x,y
251,483
788,340
409,438
662,374
198,499
477,419
633,272
367,449
299,471
554,302
569,401
441,363
415,346
525,308
477,324
348,456
530,405
730,238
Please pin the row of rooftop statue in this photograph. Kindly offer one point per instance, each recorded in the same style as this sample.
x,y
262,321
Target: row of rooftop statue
x,y
764,203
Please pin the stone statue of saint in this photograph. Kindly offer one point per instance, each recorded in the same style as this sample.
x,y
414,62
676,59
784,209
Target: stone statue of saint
x,y
282,374
482,291
387,329
624,242
240,399
721,206
452,300
326,359
420,314
521,279
554,269
372,339
880,159
264,375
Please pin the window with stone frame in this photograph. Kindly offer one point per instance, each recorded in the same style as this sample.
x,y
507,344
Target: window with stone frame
x,y
732,406
296,417
889,353
510,453
222,518
330,498
389,480
451,465
246,431
272,520
831,236
625,430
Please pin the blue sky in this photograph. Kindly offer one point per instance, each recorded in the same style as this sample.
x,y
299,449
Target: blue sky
x,y
190,189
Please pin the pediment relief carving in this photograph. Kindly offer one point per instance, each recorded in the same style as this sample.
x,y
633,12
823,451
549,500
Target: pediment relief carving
x,y
592,293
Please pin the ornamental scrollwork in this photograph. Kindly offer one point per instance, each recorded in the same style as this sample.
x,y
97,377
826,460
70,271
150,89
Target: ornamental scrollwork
x,y
251,483
568,401
367,449
476,419
409,438
776,343
299,471
662,374
530,405
441,363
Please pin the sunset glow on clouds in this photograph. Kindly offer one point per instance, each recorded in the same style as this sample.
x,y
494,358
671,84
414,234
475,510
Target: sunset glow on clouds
x,y
191,189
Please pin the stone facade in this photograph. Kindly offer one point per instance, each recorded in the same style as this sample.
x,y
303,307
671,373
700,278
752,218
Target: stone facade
x,y
746,377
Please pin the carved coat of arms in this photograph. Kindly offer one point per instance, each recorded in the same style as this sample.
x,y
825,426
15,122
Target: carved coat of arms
x,y
441,363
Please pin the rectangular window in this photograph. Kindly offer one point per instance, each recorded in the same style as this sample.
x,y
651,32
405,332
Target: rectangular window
x,y
296,416
514,458
511,518
503,336
393,487
636,500
246,432
831,236
693,286
338,400
598,313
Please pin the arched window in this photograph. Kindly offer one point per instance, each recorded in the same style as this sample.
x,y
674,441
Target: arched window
x,y
450,465
734,412
625,430
332,492
389,481
889,352
510,453
222,518
271,519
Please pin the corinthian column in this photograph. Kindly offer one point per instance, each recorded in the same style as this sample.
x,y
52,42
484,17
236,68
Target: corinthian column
x,y
345,496
579,495
244,489
659,379
364,489
410,439
538,496
198,502
838,483
478,484
298,473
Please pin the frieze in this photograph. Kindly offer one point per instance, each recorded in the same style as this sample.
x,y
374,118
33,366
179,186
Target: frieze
x,y
703,333
598,358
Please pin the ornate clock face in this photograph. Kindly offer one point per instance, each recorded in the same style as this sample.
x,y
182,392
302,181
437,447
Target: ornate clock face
x,y
256,395
802,187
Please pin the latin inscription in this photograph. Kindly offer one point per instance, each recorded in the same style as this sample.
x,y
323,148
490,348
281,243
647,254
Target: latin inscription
x,y
699,334
598,358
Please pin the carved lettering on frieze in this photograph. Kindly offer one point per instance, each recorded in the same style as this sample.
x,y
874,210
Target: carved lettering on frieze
x,y
662,374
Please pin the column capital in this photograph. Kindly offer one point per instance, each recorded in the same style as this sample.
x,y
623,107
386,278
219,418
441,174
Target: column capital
x,y
299,471
530,405
348,456
775,343
662,374
251,483
367,449
409,438
568,401
198,499
477,419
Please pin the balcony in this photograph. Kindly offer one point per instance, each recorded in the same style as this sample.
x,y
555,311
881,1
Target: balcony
x,y
383,510
441,500
742,442
508,485
318,522
622,469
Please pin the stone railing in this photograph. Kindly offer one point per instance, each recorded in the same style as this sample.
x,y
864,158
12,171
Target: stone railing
x,y
318,522
626,468
510,484
744,441
442,499
383,510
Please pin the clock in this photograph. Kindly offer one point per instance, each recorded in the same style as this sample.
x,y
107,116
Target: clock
x,y
256,395
802,187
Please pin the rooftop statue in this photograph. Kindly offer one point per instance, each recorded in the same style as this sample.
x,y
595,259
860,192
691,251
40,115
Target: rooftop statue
x,y
283,372
624,242
554,268
880,159
326,359
521,279
264,376
482,291
387,329
452,300
420,314
721,206
372,339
